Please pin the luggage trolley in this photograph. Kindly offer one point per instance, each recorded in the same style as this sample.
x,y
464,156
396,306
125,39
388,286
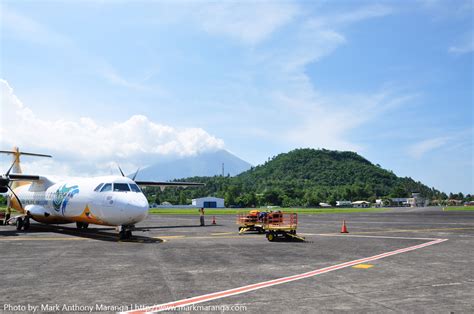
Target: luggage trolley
x,y
278,225
251,221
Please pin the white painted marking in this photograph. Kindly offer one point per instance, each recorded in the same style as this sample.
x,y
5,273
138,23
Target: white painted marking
x,y
365,236
393,222
447,284
266,284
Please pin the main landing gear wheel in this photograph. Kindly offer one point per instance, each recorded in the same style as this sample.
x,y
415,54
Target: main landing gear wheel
x,y
19,223
26,223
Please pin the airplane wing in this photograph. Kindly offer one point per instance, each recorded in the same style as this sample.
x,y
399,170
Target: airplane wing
x,y
38,183
23,177
167,184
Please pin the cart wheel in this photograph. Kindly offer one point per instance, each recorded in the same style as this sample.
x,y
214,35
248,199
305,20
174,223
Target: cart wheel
x,y
271,237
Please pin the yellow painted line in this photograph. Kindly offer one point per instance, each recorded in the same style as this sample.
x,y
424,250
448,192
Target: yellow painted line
x,y
405,230
42,239
222,233
170,237
363,266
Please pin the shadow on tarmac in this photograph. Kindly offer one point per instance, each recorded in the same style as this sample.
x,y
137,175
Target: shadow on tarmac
x,y
93,233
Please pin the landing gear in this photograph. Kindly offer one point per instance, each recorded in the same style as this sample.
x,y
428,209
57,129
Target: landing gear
x,y
7,217
19,223
22,223
82,225
26,223
125,232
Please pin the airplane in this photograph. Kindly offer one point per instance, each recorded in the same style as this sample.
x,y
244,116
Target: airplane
x,y
107,200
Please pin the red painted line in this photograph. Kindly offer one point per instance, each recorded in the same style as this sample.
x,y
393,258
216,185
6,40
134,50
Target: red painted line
x,y
265,284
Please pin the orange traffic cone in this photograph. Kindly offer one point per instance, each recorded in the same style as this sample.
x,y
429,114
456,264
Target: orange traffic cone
x,y
213,220
344,228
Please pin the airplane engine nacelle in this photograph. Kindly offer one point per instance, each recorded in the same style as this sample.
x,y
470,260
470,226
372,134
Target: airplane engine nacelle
x,y
36,210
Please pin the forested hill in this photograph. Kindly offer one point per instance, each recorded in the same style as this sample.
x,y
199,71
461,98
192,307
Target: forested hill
x,y
302,177
310,167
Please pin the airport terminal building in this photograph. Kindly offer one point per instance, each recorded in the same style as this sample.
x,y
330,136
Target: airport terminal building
x,y
209,202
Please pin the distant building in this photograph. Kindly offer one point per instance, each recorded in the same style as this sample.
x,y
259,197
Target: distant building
x,y
361,204
416,200
324,205
453,202
208,202
343,204
399,201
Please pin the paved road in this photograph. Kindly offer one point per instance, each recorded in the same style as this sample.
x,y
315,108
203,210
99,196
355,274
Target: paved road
x,y
173,258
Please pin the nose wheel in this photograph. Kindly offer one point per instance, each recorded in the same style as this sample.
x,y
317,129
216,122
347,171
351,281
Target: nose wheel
x,y
125,232
82,225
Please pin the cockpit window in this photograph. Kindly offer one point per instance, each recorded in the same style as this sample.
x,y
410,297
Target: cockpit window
x,y
121,187
107,187
135,188
98,187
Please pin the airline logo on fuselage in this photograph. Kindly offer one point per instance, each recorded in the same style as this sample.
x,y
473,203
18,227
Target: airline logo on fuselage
x,y
62,197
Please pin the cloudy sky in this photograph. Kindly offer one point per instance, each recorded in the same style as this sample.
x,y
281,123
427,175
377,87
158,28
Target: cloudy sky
x,y
93,82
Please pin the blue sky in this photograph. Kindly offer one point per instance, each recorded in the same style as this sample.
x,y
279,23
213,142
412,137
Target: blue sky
x,y
97,81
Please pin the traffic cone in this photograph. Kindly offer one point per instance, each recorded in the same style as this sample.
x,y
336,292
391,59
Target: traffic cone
x,y
213,220
344,228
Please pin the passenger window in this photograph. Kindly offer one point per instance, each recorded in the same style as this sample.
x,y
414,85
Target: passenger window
x,y
107,187
121,187
98,187
135,188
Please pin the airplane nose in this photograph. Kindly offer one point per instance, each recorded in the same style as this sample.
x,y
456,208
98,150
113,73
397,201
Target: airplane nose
x,y
133,207
138,209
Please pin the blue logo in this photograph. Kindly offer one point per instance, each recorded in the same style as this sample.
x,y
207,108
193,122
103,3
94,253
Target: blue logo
x,y
62,197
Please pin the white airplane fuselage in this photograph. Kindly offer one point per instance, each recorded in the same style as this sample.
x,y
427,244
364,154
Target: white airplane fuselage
x,y
110,200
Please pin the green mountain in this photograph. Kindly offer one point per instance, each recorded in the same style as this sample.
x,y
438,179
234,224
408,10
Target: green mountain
x,y
302,177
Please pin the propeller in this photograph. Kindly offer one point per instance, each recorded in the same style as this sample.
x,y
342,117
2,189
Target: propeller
x,y
123,175
7,178
5,181
135,175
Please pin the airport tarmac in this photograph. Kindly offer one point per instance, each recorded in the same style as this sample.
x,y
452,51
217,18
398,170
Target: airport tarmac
x,y
395,261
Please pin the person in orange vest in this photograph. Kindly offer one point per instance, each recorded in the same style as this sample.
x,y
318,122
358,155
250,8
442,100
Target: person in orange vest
x,y
201,215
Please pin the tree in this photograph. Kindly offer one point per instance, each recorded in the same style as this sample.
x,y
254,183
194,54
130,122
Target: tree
x,y
272,197
3,200
182,198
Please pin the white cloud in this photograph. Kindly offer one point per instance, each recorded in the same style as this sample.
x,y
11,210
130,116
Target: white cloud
x,y
111,75
16,25
465,46
327,122
247,22
315,118
358,14
419,149
87,143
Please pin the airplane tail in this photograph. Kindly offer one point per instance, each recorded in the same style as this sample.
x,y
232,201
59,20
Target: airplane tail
x,y
9,180
16,167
